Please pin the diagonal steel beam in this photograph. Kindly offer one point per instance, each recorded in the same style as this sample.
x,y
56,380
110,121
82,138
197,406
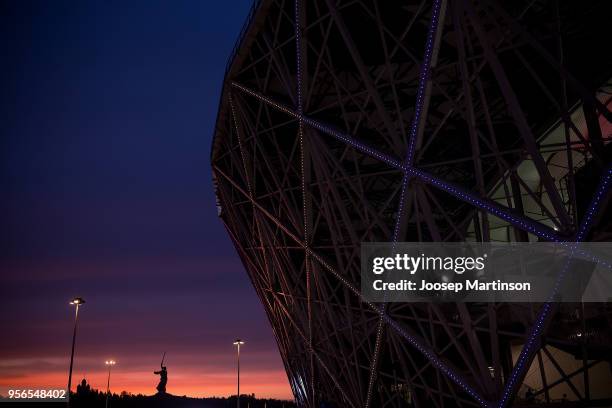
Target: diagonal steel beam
x,y
533,340
412,338
458,192
518,115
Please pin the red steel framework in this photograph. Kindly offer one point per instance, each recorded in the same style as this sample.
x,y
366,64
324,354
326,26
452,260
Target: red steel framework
x,y
344,122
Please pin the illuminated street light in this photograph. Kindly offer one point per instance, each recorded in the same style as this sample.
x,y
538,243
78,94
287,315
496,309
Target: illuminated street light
x,y
77,301
238,343
110,364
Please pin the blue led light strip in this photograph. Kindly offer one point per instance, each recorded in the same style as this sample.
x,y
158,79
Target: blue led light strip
x,y
424,74
419,107
602,190
437,362
298,49
489,206
370,151
493,208
414,130
413,340
268,101
536,331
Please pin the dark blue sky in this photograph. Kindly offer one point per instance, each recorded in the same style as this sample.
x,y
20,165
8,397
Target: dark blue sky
x,y
107,112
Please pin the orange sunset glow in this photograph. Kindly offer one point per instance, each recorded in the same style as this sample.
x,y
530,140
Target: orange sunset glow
x,y
188,382
113,202
138,379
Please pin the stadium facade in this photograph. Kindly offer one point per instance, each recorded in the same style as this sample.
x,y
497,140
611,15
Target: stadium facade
x,y
343,122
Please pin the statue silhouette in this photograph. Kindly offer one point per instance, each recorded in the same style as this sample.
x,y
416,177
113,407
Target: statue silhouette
x,y
83,388
163,380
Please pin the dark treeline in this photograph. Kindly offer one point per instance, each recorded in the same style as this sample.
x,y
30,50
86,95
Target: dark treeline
x,y
91,398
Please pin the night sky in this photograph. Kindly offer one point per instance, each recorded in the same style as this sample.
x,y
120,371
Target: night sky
x,y
107,112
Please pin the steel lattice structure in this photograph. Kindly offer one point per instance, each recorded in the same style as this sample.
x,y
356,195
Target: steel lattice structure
x,y
437,120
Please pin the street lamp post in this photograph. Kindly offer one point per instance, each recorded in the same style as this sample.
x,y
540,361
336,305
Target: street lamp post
x,y
238,343
110,364
77,302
